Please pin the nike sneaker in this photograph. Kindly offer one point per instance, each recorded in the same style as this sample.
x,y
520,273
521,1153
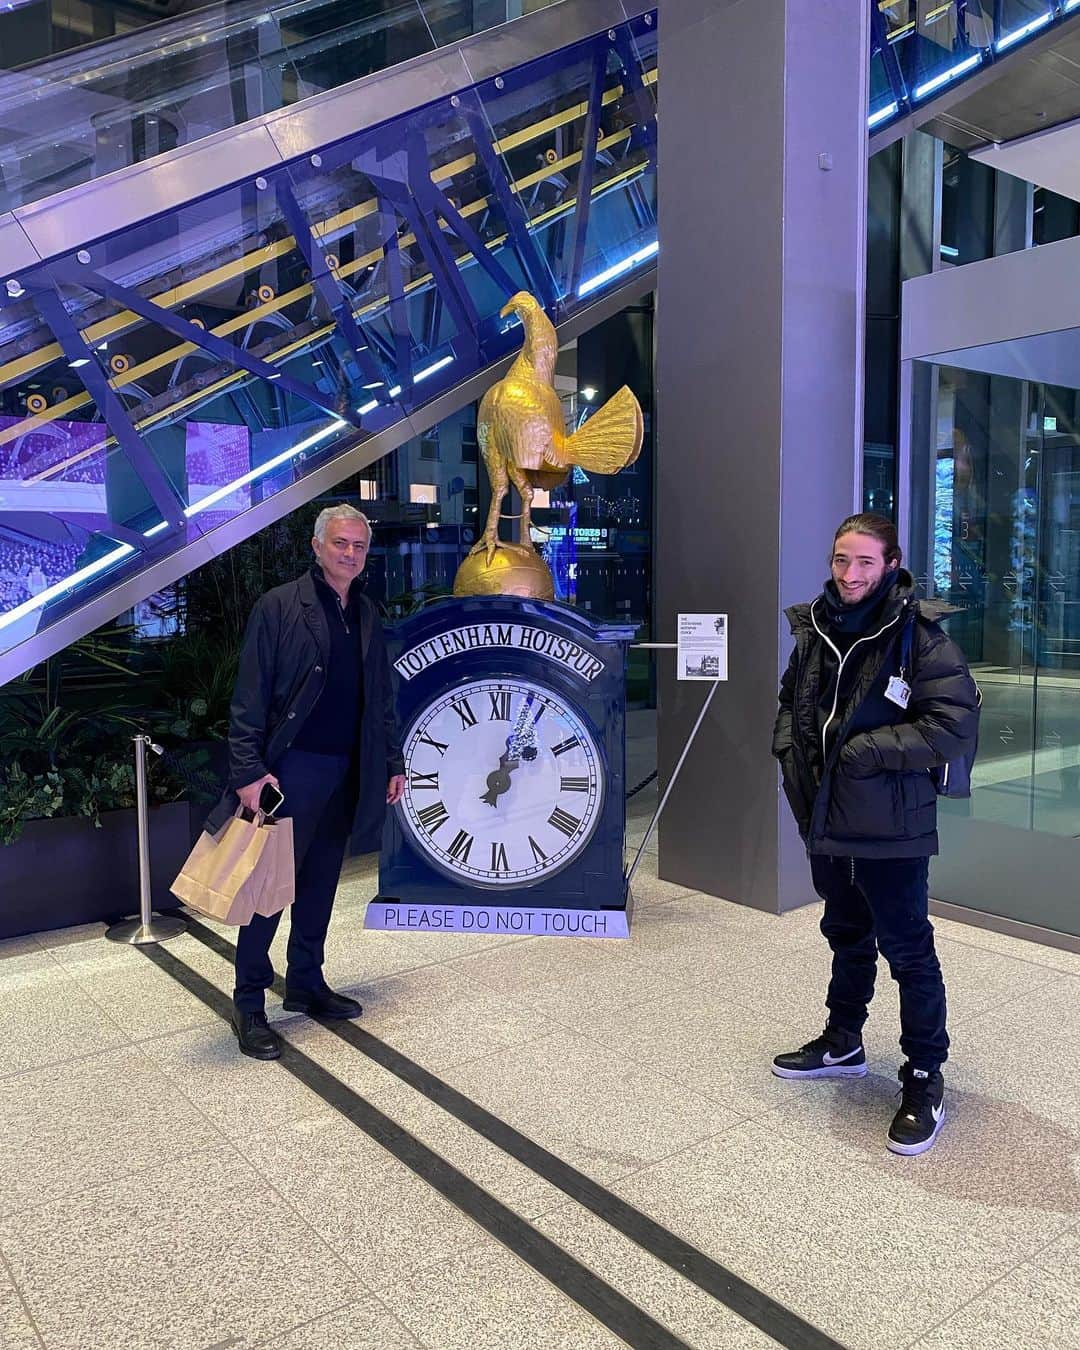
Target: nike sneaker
x,y
833,1054
921,1115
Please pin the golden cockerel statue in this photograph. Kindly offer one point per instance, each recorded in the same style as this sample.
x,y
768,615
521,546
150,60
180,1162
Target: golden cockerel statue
x,y
522,435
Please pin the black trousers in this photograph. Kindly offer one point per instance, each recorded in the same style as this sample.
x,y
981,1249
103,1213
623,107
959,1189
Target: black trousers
x,y
882,904
320,796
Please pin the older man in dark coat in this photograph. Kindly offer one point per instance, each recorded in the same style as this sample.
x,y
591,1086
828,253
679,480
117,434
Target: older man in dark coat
x,y
312,714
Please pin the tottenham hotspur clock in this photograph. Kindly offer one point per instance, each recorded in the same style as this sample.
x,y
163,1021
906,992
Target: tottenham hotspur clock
x,y
513,720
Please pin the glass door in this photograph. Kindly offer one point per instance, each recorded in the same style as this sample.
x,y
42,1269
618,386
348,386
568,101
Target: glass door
x,y
1004,554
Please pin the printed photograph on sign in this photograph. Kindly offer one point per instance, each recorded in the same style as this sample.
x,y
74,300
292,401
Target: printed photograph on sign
x,y
702,647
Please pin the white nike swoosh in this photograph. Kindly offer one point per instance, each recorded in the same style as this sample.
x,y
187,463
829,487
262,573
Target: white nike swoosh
x,y
839,1059
938,1111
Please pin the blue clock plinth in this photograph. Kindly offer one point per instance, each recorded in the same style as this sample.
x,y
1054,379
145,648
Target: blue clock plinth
x,y
513,715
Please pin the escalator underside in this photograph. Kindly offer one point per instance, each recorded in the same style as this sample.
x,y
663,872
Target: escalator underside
x,y
195,346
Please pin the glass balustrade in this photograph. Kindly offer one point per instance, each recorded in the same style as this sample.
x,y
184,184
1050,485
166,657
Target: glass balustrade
x,y
920,48
76,117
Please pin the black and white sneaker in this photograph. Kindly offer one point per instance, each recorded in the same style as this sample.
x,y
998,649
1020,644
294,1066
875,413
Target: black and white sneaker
x,y
833,1054
916,1125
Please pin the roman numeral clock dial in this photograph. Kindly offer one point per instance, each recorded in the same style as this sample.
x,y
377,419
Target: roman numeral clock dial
x,y
503,783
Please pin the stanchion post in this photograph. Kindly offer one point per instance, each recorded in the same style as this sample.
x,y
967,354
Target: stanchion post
x,y
148,927
668,646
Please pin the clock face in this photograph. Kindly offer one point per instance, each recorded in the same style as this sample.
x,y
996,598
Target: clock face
x,y
503,783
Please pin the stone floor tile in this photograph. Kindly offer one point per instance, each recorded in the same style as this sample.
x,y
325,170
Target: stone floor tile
x,y
366,1325
696,938
794,989
19,946
976,980
1036,953
489,1300
991,1152
440,1017
708,1044
198,1252
635,833
1024,1052
237,1094
72,1125
354,958
868,1259
45,1017
1034,1307
648,890
62,937
425,949
370,1209
141,997
595,1107
699,1319
17,1331
568,980
516,1185
352,1068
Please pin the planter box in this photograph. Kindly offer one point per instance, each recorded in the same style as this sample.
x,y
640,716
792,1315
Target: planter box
x,y
63,872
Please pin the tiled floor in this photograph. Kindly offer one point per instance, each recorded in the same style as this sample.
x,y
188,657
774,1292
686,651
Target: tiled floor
x,y
157,1190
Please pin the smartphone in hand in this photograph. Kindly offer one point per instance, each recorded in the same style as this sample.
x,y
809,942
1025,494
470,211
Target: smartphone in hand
x,y
270,798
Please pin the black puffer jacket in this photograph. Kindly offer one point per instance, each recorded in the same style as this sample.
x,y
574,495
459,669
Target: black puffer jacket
x,y
282,673
871,795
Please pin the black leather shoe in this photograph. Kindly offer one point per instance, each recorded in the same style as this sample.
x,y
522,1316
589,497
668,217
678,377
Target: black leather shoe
x,y
255,1037
320,1003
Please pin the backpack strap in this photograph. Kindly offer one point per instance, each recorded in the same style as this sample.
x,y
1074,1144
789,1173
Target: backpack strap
x,y
907,640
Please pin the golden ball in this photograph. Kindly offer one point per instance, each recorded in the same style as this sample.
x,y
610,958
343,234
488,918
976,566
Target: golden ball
x,y
516,569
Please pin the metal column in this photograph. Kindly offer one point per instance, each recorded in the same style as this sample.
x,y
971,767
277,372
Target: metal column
x,y
760,386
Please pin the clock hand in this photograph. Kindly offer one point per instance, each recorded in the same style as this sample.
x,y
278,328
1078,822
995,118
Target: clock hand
x,y
498,781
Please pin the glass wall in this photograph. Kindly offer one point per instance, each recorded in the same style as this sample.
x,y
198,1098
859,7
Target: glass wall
x,y
89,86
999,478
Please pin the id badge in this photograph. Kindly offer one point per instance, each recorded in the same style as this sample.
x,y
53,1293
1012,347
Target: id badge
x,y
898,691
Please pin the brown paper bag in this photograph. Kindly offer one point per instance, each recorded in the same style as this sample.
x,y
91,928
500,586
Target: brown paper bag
x,y
222,877
276,868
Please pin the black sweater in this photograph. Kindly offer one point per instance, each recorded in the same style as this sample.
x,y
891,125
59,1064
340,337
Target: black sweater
x,y
333,725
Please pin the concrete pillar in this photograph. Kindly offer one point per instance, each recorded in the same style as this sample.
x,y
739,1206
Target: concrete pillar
x,y
760,361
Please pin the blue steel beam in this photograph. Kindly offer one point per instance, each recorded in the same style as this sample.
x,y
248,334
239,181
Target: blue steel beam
x,y
472,241
880,45
643,133
326,285
437,254
443,267
587,169
86,277
529,255
434,202
395,289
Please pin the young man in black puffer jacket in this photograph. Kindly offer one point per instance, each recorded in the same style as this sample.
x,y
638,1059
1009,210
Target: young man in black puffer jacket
x,y
856,737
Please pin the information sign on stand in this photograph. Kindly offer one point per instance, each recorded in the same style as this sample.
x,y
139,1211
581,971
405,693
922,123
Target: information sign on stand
x,y
703,647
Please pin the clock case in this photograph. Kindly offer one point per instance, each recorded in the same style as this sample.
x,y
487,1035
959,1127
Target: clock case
x,y
595,879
